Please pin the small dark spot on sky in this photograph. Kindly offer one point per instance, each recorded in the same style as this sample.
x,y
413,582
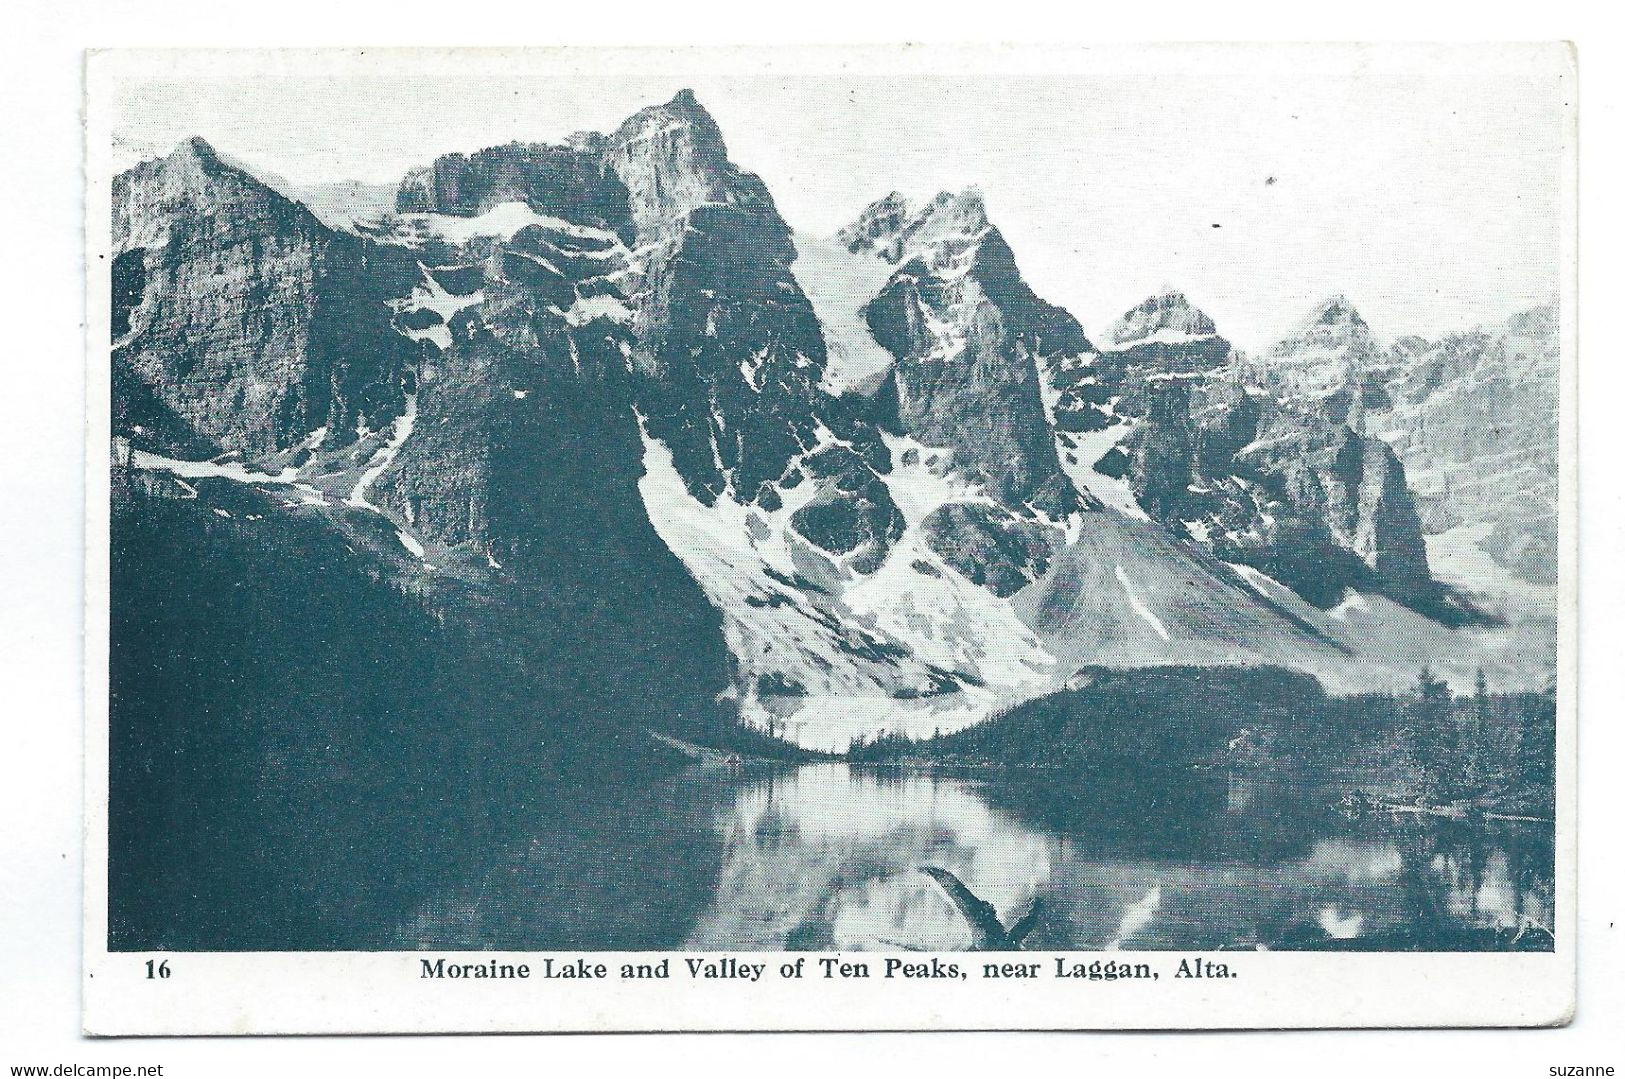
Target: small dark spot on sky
x,y
1217,225
1269,181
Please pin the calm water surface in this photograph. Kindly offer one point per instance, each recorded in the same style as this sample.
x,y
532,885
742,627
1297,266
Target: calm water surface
x,y
828,856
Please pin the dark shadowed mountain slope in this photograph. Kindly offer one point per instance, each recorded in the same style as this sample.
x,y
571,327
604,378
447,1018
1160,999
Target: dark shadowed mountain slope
x,y
241,322
968,335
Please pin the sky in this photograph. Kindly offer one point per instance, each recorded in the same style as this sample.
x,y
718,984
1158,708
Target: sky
x,y
1425,184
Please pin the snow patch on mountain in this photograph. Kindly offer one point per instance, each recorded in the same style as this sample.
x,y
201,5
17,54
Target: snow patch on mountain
x,y
1081,452
1162,336
400,431
838,283
923,479
825,654
918,597
1138,604
587,308
430,295
502,221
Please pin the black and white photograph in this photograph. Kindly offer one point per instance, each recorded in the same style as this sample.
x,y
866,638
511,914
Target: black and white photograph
x,y
830,538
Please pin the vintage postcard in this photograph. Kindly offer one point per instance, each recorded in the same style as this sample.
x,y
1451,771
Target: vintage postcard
x,y
883,538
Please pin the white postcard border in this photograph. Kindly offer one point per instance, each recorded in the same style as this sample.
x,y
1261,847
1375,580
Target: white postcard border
x,y
384,992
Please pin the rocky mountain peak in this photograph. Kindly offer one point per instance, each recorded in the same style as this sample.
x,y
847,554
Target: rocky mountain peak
x,y
195,161
969,335
1167,314
1328,358
683,112
951,213
880,223
196,150
1336,311
673,160
940,231
195,189
1334,322
244,323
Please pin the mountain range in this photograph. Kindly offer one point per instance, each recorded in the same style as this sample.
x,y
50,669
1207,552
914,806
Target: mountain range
x,y
597,399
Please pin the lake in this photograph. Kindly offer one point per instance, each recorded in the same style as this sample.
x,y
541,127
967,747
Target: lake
x,y
829,856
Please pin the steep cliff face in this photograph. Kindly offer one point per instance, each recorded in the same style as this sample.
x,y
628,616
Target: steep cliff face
x,y
501,480
969,335
728,349
242,322
1266,478
673,161
537,320
1341,494
569,180
1474,418
729,344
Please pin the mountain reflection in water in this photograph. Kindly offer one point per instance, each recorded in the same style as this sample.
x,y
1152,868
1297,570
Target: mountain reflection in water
x,y
827,856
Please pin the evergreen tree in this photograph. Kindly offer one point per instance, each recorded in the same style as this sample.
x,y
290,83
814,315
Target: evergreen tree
x,y
1431,735
1474,725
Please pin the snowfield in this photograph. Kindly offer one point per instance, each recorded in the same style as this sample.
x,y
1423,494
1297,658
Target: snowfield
x,y
900,650
838,284
400,431
1079,454
504,221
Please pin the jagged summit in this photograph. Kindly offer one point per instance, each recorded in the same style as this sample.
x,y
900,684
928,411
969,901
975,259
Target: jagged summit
x,y
880,221
969,334
198,148
683,110
1332,324
1167,315
1333,350
244,323
1164,335
952,215
1336,311
893,230
673,160
196,175
195,160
